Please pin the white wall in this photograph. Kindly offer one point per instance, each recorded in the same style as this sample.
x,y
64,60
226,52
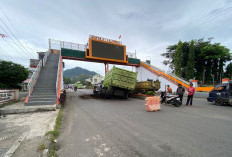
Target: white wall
x,y
144,74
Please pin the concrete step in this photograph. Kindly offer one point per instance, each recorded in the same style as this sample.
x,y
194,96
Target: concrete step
x,y
40,103
28,109
43,96
44,92
42,99
44,87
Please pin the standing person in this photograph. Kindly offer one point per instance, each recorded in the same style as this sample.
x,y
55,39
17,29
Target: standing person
x,y
169,90
180,92
191,90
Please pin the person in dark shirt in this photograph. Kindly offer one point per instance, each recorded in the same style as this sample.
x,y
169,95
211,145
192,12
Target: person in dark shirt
x,y
180,91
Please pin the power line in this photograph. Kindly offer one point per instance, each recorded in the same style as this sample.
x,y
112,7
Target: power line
x,y
6,55
224,10
24,46
15,37
10,58
15,42
211,17
12,24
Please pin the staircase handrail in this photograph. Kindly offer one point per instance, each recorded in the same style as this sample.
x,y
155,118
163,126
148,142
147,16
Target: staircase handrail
x,y
179,78
35,74
57,78
172,77
46,57
34,77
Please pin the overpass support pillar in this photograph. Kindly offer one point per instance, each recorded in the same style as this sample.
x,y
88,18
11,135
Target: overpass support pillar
x,y
106,67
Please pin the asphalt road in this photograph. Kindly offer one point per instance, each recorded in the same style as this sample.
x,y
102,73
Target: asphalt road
x,y
118,127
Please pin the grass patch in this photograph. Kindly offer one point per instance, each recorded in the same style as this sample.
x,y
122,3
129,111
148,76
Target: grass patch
x,y
9,103
54,133
150,93
52,153
41,146
53,147
59,119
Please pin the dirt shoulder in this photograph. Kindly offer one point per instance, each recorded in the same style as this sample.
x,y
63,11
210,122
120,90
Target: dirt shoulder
x,y
34,124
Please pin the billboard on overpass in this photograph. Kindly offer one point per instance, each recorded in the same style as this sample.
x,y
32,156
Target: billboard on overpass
x,y
106,49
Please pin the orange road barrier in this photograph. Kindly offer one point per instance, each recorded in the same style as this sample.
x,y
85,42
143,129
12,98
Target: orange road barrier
x,y
153,104
204,89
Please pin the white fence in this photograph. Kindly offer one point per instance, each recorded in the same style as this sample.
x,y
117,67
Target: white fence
x,y
57,45
8,95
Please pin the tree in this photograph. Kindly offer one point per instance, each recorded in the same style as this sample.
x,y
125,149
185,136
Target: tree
x,y
189,71
170,56
12,74
215,57
228,72
178,59
67,80
209,59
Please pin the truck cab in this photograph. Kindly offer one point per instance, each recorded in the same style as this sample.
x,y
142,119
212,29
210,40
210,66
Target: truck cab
x,y
221,94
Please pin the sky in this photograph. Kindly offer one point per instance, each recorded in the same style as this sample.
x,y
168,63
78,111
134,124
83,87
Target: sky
x,y
146,26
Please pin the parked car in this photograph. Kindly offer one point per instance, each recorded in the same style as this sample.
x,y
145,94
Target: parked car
x,y
80,86
221,94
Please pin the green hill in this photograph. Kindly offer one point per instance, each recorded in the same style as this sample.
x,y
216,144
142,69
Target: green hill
x,y
77,74
69,73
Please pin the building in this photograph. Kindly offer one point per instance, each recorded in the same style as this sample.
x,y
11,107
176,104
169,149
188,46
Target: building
x,y
95,79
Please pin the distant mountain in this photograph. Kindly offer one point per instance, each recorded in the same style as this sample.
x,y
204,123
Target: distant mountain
x,y
78,71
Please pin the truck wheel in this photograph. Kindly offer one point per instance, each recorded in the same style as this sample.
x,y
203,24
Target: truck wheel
x,y
102,92
126,95
107,94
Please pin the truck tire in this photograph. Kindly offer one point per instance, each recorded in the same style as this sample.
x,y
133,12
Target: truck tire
x,y
107,94
125,96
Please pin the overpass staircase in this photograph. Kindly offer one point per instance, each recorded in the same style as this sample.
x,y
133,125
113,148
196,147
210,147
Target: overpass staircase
x,y
170,77
43,84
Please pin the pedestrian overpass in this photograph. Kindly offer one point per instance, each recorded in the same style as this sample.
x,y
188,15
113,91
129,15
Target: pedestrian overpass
x,y
47,81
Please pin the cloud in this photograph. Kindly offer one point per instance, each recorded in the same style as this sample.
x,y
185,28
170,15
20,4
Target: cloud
x,y
146,26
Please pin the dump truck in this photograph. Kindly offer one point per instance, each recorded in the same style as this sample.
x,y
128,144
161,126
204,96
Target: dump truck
x,y
118,82
145,86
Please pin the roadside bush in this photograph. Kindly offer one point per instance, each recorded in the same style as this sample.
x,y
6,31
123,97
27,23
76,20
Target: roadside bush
x,y
150,93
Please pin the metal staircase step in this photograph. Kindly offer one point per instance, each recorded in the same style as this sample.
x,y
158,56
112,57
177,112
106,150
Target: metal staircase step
x,y
41,103
42,99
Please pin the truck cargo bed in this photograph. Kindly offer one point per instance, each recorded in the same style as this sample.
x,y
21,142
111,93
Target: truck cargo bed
x,y
121,78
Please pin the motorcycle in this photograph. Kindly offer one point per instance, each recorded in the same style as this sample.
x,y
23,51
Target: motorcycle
x,y
170,99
